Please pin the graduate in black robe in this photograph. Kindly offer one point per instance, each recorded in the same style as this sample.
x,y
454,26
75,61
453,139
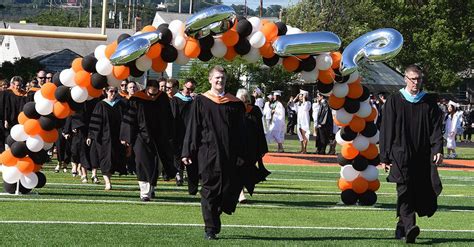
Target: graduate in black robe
x,y
411,145
14,99
216,136
148,128
104,132
324,127
181,107
63,151
3,92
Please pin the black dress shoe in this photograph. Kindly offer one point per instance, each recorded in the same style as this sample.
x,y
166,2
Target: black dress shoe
x,y
412,233
400,233
210,236
145,199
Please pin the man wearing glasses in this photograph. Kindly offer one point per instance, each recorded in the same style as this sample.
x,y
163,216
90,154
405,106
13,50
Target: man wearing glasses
x,y
123,89
172,86
411,145
40,79
49,77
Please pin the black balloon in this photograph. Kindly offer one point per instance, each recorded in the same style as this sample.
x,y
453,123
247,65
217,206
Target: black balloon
x,y
375,162
299,68
56,80
324,88
122,37
349,197
40,157
282,29
368,198
62,94
9,140
244,28
19,149
98,81
30,111
88,63
342,161
369,130
48,122
339,78
166,36
347,134
74,105
169,53
271,61
243,46
308,63
162,26
134,71
41,180
365,94
351,105
360,163
205,55
206,43
11,188
241,17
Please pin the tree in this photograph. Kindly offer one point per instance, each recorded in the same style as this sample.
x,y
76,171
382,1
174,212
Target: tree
x,y
24,67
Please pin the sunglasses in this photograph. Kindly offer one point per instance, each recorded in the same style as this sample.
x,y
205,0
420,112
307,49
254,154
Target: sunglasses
x,y
112,91
42,78
49,78
190,89
123,85
168,88
153,94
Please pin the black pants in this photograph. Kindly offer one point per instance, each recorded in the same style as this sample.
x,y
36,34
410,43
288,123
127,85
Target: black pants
x,y
322,139
290,127
211,215
405,207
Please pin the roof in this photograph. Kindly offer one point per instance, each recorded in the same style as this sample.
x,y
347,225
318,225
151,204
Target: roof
x,y
167,17
379,77
34,47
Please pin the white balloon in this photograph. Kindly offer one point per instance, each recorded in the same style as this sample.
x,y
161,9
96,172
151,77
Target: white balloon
x,y
1,168
323,62
361,143
112,81
343,116
18,133
176,27
104,67
340,90
364,110
67,77
256,24
374,139
353,77
257,39
179,42
99,52
34,143
79,94
38,96
293,30
309,76
371,173
219,49
181,59
349,173
29,181
143,63
253,55
47,146
11,174
339,139
44,106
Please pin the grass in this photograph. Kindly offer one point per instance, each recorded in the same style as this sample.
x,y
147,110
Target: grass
x,y
303,201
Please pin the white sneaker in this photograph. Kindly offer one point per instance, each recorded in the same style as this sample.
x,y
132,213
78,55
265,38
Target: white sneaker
x,y
84,179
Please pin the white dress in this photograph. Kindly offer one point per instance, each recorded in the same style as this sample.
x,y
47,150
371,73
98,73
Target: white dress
x,y
267,115
452,121
302,119
276,128
316,107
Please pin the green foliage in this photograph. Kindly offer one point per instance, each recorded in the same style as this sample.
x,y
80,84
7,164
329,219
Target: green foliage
x,y
24,67
59,18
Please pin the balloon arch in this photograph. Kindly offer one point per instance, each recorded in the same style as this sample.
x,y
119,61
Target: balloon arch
x,y
216,32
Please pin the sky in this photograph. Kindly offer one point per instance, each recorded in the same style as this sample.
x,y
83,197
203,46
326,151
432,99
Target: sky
x,y
253,4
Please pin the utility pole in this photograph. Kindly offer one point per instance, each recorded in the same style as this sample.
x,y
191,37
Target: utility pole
x,y
261,8
245,10
190,6
90,13
179,6
128,17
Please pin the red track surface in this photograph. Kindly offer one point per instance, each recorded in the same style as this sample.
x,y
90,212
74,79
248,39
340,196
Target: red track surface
x,y
330,160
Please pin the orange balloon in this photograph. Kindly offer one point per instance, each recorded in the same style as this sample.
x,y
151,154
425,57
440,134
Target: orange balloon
x,y
49,136
37,168
121,72
371,152
192,48
264,21
336,59
291,63
154,51
61,110
339,123
148,28
355,90
230,38
110,49
348,151
374,185
335,102
8,159
344,184
267,50
77,64
158,64
357,124
326,76
32,127
270,30
25,165
360,185
230,54
22,118
94,92
302,56
372,115
82,78
47,90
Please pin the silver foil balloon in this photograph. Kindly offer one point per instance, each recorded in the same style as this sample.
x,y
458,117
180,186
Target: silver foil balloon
x,y
306,43
134,47
378,45
216,20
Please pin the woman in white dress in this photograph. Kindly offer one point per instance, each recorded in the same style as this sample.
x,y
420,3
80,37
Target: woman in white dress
x,y
303,106
276,128
452,122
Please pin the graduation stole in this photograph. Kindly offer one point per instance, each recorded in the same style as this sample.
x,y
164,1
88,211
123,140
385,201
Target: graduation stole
x,y
248,108
123,94
144,96
221,99
18,92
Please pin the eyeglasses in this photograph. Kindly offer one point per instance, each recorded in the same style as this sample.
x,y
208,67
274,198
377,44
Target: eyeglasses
x,y
190,89
112,91
49,78
153,94
42,78
414,79
168,88
123,85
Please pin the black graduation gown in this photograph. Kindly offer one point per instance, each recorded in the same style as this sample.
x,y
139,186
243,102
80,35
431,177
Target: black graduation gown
x,y
216,136
325,131
63,148
104,131
148,127
3,133
14,103
410,135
